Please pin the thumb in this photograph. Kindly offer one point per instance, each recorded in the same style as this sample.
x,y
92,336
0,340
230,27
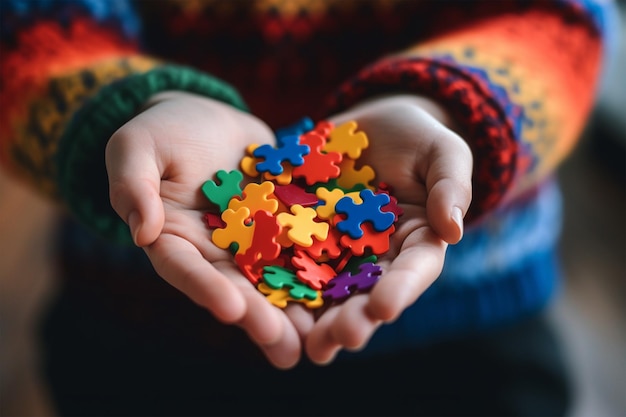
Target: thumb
x,y
449,187
134,183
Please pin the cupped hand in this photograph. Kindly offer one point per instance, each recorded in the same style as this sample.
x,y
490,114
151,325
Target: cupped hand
x,y
156,164
429,166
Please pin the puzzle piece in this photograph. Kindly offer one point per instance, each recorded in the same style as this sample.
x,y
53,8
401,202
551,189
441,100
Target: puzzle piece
x,y
283,178
291,194
345,140
248,162
278,277
330,197
236,230
302,226
314,275
317,166
263,245
256,197
301,126
213,221
355,262
350,177
346,283
329,246
367,211
254,271
280,297
289,150
393,205
323,128
378,242
228,188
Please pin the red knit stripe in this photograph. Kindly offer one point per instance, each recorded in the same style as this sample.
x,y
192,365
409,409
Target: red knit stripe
x,y
42,51
469,102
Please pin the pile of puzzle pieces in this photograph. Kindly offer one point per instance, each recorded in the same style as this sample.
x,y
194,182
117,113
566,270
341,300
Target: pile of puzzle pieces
x,y
309,225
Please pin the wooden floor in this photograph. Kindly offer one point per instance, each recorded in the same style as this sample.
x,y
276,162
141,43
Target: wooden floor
x,y
591,311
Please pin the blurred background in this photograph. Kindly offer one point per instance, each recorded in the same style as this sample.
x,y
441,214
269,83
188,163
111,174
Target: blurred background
x,y
590,311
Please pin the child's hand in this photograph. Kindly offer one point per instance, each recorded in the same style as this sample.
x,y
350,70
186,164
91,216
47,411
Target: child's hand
x,y
157,164
429,168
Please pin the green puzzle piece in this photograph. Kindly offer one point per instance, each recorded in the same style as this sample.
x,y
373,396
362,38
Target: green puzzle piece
x,y
230,186
353,265
278,277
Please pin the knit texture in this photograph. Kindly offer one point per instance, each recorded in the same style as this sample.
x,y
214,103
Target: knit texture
x,y
82,174
519,77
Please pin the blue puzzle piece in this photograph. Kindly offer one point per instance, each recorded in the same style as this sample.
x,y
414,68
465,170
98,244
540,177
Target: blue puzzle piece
x,y
288,150
368,211
301,126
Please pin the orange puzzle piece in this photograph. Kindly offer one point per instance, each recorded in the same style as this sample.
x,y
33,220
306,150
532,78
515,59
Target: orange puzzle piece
x,y
236,230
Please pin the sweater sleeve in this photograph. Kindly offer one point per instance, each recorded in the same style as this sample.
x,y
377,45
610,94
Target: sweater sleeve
x,y
73,73
520,82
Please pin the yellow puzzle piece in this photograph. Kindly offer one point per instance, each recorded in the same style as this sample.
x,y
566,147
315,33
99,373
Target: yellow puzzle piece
x,y
327,211
256,197
302,226
280,297
345,140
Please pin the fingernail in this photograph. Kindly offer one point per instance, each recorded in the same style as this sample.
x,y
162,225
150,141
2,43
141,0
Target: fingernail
x,y
134,223
457,217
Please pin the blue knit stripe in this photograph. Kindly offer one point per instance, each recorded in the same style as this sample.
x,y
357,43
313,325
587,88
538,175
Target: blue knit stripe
x,y
460,311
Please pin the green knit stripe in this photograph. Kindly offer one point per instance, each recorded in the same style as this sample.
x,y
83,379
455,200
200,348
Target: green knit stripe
x,y
82,176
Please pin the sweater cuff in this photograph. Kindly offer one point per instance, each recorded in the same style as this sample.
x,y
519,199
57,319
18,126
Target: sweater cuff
x,y
470,103
83,180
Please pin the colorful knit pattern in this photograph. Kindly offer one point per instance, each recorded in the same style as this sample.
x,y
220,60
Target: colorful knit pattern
x,y
521,94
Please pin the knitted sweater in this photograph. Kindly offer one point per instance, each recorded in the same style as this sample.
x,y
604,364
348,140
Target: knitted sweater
x,y
519,78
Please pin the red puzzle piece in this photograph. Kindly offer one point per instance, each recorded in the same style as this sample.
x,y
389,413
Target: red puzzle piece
x,y
378,242
263,246
330,246
291,194
311,273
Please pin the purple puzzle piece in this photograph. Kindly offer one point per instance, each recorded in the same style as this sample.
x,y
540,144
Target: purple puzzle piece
x,y
345,284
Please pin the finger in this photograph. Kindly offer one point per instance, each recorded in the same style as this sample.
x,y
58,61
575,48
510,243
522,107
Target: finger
x,y
286,351
353,326
134,183
266,325
449,185
302,319
320,345
182,266
416,267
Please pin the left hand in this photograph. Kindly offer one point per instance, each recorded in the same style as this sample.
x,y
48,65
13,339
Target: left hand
x,y
429,167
